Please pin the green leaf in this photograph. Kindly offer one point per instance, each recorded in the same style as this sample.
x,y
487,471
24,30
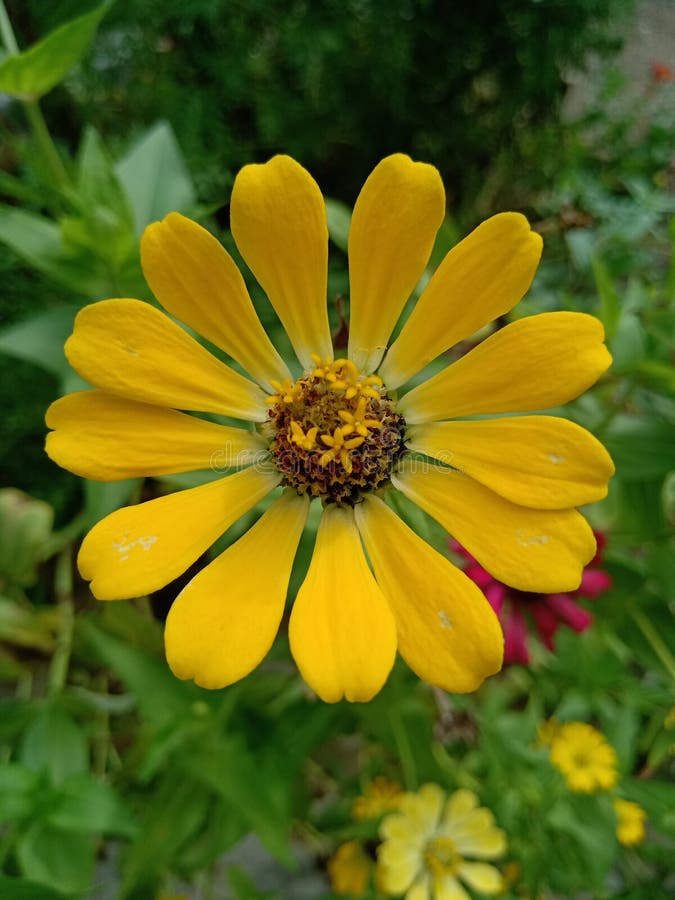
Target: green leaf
x,y
14,716
26,627
610,302
40,68
252,785
17,792
657,798
20,889
86,805
159,694
53,743
39,242
339,219
174,816
590,823
103,497
660,376
641,448
155,177
40,339
25,528
106,224
63,861
629,344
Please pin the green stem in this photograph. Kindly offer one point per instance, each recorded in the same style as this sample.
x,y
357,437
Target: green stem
x,y
63,588
48,149
405,754
654,640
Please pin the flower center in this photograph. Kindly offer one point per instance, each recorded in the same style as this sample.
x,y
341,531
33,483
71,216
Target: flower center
x,y
441,856
334,433
580,759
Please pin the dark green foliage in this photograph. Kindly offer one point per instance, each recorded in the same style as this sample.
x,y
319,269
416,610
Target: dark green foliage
x,y
337,84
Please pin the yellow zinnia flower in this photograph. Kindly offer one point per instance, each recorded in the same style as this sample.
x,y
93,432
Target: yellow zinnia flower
x,y
426,846
506,488
379,797
630,826
349,869
584,757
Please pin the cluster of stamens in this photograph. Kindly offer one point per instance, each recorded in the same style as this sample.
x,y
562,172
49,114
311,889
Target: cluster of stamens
x,y
441,857
334,433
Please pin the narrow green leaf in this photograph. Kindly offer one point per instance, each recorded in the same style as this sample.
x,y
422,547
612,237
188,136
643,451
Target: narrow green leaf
x,y
105,224
610,303
40,68
155,177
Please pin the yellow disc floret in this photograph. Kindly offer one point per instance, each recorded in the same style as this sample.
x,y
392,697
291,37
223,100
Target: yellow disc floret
x,y
334,433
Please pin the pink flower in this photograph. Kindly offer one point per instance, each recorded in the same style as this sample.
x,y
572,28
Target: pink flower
x,y
517,609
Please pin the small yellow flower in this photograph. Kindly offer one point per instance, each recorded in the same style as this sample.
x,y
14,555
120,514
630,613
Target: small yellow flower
x,y
428,845
349,869
380,796
338,433
584,757
630,826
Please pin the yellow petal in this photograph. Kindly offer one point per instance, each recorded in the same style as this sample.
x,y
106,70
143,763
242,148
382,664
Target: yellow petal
x,y
223,623
425,807
342,632
480,279
129,348
139,549
106,438
399,862
535,363
537,461
278,220
395,220
448,888
481,877
460,804
447,631
421,889
196,280
529,549
479,837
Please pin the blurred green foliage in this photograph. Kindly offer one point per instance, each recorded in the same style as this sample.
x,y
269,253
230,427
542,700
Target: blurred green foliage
x,y
337,84
115,778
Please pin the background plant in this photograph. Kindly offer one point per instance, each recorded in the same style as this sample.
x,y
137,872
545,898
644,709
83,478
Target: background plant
x,y
118,780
